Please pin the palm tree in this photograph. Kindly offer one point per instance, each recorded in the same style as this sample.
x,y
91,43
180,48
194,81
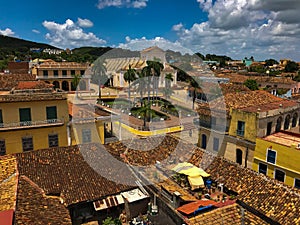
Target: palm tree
x,y
99,74
146,113
156,68
75,81
146,71
195,83
129,76
140,84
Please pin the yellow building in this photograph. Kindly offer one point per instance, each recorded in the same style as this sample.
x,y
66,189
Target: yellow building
x,y
230,125
32,118
61,74
90,124
278,156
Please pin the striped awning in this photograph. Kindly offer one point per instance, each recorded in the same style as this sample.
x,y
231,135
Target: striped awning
x,y
108,202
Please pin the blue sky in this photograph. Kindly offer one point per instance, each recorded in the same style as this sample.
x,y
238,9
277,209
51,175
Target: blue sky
x,y
237,28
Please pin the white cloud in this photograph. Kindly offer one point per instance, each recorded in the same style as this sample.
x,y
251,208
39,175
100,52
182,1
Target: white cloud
x,y
177,27
240,28
139,44
69,35
36,31
85,23
7,32
122,3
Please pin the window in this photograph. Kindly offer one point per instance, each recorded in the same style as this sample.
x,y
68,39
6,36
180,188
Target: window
x,y
297,183
279,175
53,140
51,113
86,136
82,72
1,118
55,73
27,144
287,122
45,73
72,72
262,168
2,147
271,156
239,156
64,73
203,141
240,128
269,128
216,144
25,116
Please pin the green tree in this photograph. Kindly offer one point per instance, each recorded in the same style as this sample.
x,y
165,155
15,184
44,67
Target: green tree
x,y
195,83
140,84
251,84
129,76
271,62
99,74
156,68
291,66
111,221
146,113
75,82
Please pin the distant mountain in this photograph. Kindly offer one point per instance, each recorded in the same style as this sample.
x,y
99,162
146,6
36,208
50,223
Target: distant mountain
x,y
16,44
108,51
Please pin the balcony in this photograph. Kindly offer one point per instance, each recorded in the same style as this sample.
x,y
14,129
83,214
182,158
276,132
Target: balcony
x,y
31,124
206,124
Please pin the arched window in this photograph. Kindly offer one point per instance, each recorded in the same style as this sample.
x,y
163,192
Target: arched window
x,y
294,120
287,122
65,85
203,141
56,84
239,156
278,124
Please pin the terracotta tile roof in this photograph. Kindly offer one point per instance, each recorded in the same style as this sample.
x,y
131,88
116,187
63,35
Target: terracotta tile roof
x,y
147,151
228,215
9,81
239,78
284,138
32,85
249,101
34,207
64,171
85,111
8,182
268,196
28,96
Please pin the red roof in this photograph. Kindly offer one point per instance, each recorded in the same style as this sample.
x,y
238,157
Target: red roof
x,y
6,217
226,203
193,206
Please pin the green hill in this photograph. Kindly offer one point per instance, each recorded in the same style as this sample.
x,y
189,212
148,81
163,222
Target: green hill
x,y
15,44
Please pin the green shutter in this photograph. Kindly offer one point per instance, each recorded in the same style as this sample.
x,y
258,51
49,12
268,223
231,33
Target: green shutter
x,y
25,114
51,112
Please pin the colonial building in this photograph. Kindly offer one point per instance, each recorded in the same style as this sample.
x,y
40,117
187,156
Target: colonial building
x,y
278,156
116,67
32,116
61,74
153,53
230,125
